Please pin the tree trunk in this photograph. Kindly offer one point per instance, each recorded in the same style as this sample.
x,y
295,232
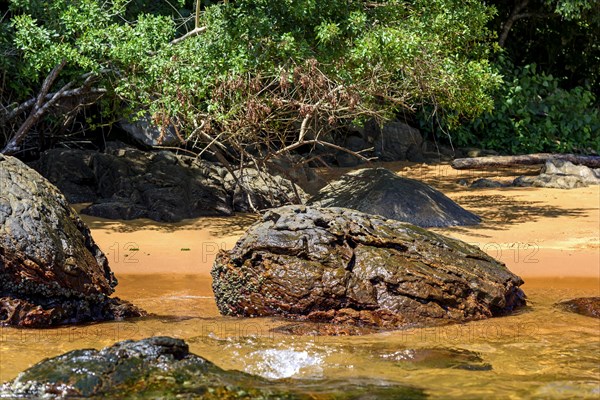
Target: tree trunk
x,y
528,159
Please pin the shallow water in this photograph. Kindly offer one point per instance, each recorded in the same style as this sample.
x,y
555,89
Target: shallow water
x,y
541,352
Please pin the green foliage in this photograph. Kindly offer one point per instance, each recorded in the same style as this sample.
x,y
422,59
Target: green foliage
x,y
533,114
561,36
332,61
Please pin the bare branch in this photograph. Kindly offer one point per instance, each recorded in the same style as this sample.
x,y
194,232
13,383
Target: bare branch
x,y
326,144
314,109
193,32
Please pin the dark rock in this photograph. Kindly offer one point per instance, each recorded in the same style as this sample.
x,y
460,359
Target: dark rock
x,y
294,168
436,151
72,172
126,183
559,174
349,268
487,183
380,191
51,271
588,306
260,190
394,140
163,367
353,143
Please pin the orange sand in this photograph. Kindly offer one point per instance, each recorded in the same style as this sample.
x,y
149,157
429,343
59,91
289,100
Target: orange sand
x,y
536,232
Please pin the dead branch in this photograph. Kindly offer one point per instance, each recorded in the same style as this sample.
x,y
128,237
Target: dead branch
x,y
193,32
326,144
42,103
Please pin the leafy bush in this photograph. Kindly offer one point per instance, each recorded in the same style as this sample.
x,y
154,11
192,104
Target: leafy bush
x,y
261,69
531,114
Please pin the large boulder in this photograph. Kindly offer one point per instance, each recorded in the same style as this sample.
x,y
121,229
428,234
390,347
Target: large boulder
x,y
346,267
51,271
125,183
163,367
561,174
395,141
380,191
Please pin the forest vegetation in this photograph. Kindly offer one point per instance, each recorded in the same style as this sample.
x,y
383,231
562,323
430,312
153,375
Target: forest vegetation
x,y
515,76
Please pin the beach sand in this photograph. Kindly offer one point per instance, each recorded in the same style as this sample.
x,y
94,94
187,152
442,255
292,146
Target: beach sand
x,y
537,232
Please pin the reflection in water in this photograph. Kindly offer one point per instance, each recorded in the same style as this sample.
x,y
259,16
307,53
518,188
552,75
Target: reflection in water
x,y
541,352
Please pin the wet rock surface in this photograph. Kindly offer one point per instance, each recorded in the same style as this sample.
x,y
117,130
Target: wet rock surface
x,y
51,270
588,306
349,268
125,183
559,174
382,192
163,367
434,358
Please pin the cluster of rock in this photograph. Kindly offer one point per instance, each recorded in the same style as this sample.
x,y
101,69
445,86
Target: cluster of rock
x,y
556,174
51,270
561,174
125,183
346,267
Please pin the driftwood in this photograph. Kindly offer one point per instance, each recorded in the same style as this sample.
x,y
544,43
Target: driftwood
x,y
528,159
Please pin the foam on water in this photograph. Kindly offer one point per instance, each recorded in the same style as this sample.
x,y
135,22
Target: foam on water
x,y
285,363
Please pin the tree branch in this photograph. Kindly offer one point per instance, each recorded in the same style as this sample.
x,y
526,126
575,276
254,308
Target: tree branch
x,y
309,115
326,144
44,101
193,32
514,16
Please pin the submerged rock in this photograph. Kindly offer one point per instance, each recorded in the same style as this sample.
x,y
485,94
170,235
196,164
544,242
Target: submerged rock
x,y
126,183
51,270
560,174
163,367
349,268
588,306
380,191
436,358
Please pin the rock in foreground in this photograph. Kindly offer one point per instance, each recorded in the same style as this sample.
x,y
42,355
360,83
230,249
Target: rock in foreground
x,y
382,192
51,271
163,367
346,267
588,306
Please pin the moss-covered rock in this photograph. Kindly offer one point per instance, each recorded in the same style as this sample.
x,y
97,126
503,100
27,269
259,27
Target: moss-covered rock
x,y
162,367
